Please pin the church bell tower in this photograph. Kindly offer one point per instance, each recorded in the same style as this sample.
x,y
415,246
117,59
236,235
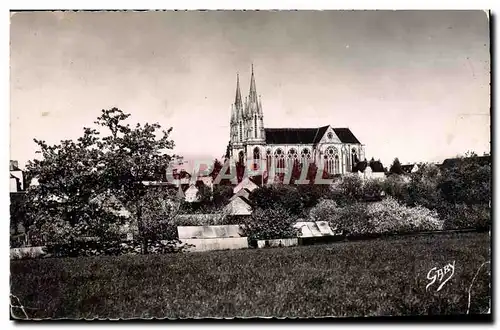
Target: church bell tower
x,y
247,122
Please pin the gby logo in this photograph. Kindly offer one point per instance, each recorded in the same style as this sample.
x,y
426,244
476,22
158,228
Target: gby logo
x,y
440,275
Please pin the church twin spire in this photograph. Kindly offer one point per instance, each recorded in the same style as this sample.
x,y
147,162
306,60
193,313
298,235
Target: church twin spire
x,y
247,117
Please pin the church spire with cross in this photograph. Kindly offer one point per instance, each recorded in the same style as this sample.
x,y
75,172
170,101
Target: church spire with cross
x,y
253,89
237,101
253,113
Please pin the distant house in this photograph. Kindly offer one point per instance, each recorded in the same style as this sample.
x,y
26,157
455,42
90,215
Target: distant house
x,y
370,170
451,162
409,168
16,177
239,206
15,184
191,194
246,183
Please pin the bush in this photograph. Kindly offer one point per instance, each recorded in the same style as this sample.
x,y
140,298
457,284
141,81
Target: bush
x,y
372,189
311,194
27,252
397,187
389,216
325,210
270,224
384,217
461,216
286,197
114,248
352,219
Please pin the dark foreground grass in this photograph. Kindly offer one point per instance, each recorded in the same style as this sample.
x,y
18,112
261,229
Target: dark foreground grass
x,y
369,278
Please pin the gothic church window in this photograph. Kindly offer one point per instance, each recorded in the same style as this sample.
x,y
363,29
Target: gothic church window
x,y
256,157
241,133
331,159
292,155
279,157
305,155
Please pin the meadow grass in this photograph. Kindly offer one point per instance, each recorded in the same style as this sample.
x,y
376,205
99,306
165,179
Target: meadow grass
x,y
363,278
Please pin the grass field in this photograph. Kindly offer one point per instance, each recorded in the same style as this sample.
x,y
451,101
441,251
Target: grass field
x,y
364,278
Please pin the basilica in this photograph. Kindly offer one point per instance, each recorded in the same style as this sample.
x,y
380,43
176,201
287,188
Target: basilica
x,y
337,148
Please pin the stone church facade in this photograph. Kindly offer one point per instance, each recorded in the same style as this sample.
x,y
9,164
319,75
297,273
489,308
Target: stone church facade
x,y
337,148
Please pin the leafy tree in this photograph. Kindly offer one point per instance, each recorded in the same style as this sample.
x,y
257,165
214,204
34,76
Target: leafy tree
x,y
311,194
158,208
74,173
217,167
204,194
19,212
272,223
227,155
397,187
285,197
467,181
372,190
70,177
221,195
423,188
396,167
348,189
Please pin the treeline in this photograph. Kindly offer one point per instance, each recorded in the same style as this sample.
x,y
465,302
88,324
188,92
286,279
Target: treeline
x,y
433,198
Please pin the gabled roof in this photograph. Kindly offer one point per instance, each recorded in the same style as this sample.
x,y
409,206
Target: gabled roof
x,y
241,192
375,166
407,168
243,198
345,135
451,162
306,135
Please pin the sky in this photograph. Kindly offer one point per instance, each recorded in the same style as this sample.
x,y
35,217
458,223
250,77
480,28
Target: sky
x,y
409,84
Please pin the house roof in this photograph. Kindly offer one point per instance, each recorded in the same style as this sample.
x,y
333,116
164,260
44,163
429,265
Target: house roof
x,y
375,166
306,135
243,198
407,168
451,162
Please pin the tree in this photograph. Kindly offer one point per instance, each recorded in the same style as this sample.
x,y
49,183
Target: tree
x,y
204,194
311,194
217,167
117,164
227,155
221,195
348,189
273,223
396,167
132,155
158,208
285,197
467,181
70,178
